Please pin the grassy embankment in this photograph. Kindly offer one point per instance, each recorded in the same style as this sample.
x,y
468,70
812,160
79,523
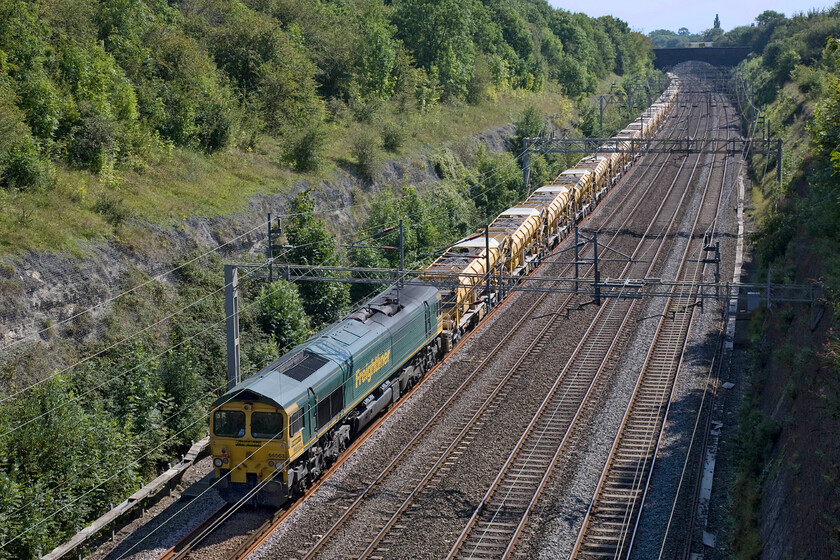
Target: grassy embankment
x,y
785,492
185,182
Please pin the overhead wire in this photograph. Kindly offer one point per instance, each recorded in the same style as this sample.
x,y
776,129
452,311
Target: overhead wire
x,y
750,131
14,394
209,393
147,328
307,407
158,277
139,459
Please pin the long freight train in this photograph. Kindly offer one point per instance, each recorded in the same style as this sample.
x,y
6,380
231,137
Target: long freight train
x,y
275,433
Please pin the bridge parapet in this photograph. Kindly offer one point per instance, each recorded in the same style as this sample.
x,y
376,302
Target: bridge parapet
x,y
716,56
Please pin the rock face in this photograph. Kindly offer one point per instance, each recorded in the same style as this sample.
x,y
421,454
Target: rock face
x,y
38,290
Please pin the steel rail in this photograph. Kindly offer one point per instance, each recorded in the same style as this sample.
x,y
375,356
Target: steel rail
x,y
188,543
430,474
541,471
214,521
321,542
182,545
699,272
674,345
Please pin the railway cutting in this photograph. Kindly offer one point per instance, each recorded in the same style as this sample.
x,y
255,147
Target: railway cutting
x,y
478,394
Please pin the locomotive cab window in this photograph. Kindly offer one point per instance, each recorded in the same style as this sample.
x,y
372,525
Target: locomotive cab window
x,y
266,424
229,423
296,422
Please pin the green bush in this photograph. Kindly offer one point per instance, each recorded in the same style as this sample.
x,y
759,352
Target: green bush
x,y
808,79
281,314
303,148
393,135
93,142
112,209
324,302
42,103
24,168
367,151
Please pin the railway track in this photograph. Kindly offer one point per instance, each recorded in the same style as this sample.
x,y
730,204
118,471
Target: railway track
x,y
199,544
185,545
390,527
612,518
380,545
457,445
502,514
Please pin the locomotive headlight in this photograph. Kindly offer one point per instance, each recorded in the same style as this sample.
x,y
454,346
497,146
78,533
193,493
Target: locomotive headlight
x,y
225,460
278,465
271,463
217,462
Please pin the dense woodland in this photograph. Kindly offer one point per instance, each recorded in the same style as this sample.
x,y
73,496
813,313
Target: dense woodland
x,y
99,85
101,94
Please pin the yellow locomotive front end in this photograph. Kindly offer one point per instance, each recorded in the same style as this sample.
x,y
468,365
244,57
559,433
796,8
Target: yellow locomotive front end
x,y
250,447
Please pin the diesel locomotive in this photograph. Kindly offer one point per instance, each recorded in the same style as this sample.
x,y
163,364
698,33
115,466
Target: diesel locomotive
x,y
284,425
273,434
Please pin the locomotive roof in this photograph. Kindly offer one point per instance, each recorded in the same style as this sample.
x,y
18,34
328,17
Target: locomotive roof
x,y
283,382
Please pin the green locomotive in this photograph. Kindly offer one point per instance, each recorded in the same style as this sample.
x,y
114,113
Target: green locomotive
x,y
280,428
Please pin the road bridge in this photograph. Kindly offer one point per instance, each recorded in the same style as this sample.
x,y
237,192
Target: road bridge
x,y
716,56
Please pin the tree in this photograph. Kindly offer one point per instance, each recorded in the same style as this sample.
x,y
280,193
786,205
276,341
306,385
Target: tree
x,y
376,54
825,126
664,38
683,31
498,185
529,125
364,257
325,302
68,464
281,314
439,35
182,379
717,22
